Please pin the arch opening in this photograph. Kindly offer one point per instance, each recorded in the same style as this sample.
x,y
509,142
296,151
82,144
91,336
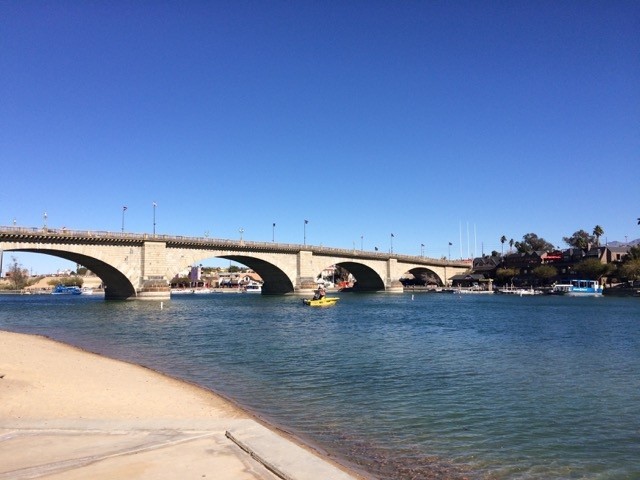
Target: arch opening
x,y
116,285
366,279
422,277
276,282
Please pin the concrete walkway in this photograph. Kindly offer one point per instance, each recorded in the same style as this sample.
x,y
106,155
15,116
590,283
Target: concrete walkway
x,y
179,449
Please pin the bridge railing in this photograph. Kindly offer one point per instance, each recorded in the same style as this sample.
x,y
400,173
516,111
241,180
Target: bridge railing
x,y
208,242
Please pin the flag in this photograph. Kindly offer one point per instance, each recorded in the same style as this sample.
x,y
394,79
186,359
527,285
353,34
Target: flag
x,y
422,244
274,224
306,221
450,243
376,248
392,235
124,208
155,204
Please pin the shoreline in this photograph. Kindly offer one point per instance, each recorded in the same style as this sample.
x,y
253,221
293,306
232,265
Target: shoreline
x,y
50,388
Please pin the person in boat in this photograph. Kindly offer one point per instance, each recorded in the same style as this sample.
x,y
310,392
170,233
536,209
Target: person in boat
x,y
320,293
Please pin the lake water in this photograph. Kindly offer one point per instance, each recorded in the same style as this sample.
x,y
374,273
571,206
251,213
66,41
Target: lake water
x,y
429,386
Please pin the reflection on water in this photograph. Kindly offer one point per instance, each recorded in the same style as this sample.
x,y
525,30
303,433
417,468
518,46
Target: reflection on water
x,y
440,386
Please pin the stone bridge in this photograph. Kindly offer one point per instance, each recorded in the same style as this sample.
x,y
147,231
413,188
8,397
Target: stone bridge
x,y
142,265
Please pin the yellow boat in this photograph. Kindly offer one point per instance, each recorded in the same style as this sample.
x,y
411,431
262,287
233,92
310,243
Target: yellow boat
x,y
322,302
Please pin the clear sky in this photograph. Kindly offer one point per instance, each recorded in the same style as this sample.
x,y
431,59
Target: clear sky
x,y
366,118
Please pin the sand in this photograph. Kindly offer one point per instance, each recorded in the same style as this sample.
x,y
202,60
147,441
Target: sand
x,y
67,413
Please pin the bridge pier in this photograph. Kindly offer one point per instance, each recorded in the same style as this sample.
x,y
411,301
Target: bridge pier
x,y
154,290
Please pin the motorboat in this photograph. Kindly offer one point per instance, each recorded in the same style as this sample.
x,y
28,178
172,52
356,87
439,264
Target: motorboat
x,y
182,291
517,291
321,302
253,287
579,288
64,290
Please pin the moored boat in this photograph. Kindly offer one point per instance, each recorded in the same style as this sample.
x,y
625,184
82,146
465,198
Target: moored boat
x,y
321,302
579,288
64,290
253,287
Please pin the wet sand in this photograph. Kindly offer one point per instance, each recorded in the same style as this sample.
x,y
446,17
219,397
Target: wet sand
x,y
67,413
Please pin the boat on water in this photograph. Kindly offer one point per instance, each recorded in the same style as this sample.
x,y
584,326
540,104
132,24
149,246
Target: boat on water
x,y
579,288
202,290
517,291
253,287
182,291
64,290
321,302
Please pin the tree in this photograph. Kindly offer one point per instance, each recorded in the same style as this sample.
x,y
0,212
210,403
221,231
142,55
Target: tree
x,y
631,269
633,254
579,239
545,273
510,244
532,243
502,240
597,232
18,275
591,268
506,274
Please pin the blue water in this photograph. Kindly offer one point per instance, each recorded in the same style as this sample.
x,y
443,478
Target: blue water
x,y
438,386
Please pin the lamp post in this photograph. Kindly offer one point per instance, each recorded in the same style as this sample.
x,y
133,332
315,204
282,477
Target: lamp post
x,y
422,250
361,242
44,217
305,232
450,250
391,248
14,222
154,218
241,230
124,209
273,232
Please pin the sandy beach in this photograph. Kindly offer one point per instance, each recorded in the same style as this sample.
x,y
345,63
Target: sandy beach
x,y
70,414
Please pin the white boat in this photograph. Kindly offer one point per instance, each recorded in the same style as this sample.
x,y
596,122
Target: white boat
x,y
182,291
201,290
86,291
517,291
253,287
579,288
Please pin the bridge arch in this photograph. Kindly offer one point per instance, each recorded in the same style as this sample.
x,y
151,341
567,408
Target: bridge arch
x,y
367,279
427,275
117,285
276,281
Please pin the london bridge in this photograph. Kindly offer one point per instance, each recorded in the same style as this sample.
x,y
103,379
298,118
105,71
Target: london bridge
x,y
140,265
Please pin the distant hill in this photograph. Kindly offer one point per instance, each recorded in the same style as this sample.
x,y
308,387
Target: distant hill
x,y
622,244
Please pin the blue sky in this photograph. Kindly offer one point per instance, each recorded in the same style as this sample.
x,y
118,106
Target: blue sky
x,y
365,117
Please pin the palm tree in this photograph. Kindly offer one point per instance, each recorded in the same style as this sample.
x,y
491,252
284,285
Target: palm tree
x,y
510,244
597,232
502,240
